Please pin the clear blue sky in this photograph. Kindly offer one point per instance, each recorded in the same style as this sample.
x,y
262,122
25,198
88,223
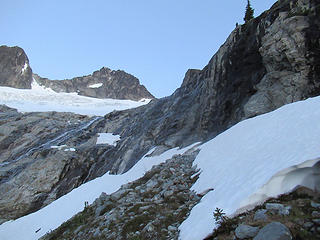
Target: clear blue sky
x,y
157,41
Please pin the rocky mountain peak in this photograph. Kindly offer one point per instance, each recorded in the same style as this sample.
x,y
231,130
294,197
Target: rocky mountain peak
x,y
15,70
104,83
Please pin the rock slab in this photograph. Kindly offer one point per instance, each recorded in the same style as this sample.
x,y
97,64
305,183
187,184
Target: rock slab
x,y
274,231
245,231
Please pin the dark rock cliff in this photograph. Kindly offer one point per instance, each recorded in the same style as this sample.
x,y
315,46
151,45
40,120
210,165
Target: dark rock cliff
x,y
104,83
14,68
270,61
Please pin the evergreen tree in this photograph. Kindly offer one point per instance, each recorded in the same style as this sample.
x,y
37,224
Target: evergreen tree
x,y
249,12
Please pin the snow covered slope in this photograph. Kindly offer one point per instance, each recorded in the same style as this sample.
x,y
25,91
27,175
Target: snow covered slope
x,y
57,212
40,99
238,162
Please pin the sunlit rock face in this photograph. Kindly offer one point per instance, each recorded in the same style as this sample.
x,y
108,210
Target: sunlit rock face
x,y
14,68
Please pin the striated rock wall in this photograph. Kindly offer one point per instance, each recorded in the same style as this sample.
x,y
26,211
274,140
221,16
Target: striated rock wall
x,y
15,70
270,61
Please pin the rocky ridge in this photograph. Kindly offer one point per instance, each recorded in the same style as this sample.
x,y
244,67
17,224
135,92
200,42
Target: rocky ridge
x,y
151,207
270,61
15,71
104,83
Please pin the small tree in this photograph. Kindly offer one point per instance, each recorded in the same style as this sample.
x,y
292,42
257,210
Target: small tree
x,y
219,216
249,12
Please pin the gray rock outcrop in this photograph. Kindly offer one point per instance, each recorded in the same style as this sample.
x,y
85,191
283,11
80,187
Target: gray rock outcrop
x,y
15,70
245,231
38,158
260,215
274,231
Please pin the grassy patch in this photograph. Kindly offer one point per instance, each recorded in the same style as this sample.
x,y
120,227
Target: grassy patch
x,y
136,224
107,208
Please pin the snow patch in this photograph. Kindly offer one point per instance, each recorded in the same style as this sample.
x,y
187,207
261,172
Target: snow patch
x,y
97,85
59,211
24,67
70,150
145,100
108,138
59,147
239,161
64,148
37,88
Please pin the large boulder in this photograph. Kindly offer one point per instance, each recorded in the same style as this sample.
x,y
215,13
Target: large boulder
x,y
245,231
274,231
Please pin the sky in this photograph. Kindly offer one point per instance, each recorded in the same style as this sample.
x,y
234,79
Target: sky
x,y
156,41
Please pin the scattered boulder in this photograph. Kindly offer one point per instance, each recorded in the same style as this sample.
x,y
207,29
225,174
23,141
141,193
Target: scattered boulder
x,y
260,215
278,208
133,213
245,231
274,231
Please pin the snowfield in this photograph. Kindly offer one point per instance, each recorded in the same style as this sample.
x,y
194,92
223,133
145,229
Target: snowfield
x,y
96,85
238,162
40,99
59,211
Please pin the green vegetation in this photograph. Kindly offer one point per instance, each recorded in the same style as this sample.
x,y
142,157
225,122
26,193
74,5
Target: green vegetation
x,y
136,224
249,13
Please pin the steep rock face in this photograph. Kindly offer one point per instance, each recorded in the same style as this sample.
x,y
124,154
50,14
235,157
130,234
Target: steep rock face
x,y
38,161
104,83
14,68
270,61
